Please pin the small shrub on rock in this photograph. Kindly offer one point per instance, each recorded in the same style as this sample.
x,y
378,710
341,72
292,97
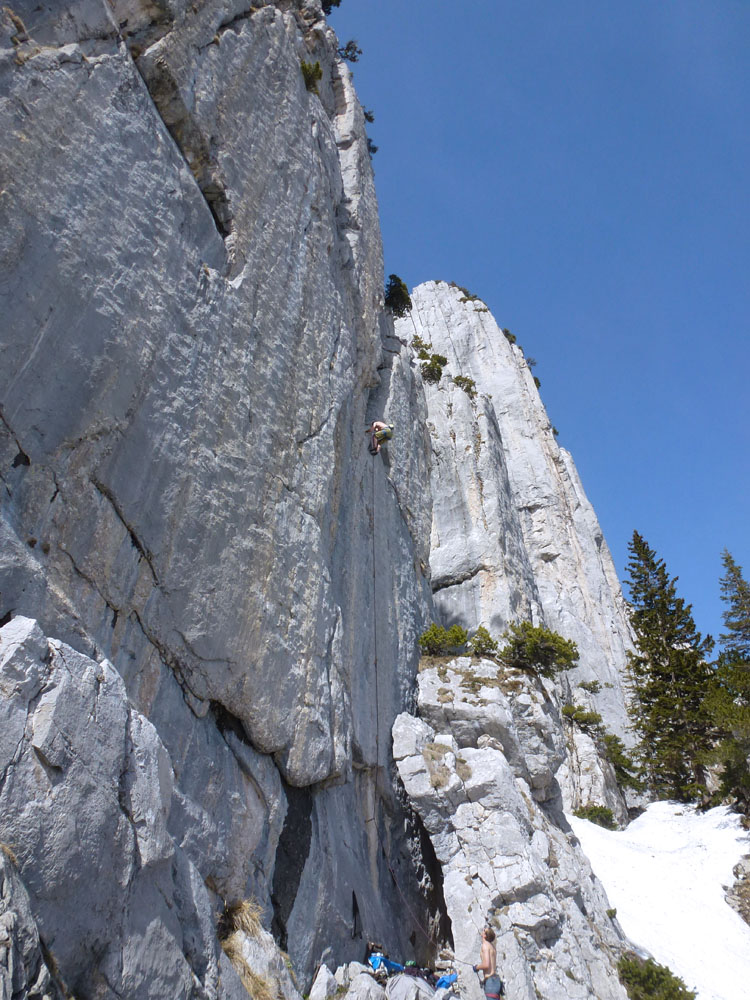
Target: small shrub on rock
x,y
351,51
437,641
593,687
432,370
600,815
421,347
538,648
589,722
510,337
457,637
467,295
312,73
647,980
468,385
328,4
482,643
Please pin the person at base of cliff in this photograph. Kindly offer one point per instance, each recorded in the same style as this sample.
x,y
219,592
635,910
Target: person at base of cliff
x,y
493,986
380,432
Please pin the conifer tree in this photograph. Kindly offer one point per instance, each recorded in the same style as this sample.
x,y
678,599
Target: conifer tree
x,y
729,699
397,297
670,677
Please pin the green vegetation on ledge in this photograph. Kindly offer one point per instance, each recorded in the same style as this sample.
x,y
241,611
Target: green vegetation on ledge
x,y
538,648
647,980
600,815
312,74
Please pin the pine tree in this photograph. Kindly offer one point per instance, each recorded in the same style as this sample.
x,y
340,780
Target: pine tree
x,y
729,699
397,297
670,678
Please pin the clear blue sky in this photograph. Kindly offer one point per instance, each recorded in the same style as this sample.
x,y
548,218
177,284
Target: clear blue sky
x,y
582,166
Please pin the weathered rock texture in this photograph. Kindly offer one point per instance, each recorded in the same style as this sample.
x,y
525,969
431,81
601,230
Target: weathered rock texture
x,y
479,765
513,535
85,801
193,342
23,968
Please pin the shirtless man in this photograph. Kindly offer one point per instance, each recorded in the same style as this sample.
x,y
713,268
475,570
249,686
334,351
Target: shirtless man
x,y
488,965
380,432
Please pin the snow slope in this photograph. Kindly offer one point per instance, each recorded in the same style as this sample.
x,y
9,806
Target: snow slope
x,y
666,875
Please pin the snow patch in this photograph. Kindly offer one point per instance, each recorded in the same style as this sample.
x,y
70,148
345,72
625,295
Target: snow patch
x,y
667,874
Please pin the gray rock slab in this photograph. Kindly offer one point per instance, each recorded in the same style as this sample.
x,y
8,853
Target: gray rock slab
x,y
85,797
514,536
507,855
23,970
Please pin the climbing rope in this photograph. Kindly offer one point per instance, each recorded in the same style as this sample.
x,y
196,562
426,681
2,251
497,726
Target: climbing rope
x,y
430,938
375,634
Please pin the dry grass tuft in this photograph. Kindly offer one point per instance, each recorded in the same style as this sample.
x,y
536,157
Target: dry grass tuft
x,y
244,916
433,754
258,987
9,853
463,769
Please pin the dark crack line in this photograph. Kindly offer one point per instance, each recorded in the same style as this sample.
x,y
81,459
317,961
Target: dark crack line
x,y
89,580
203,659
316,432
454,581
7,488
169,660
145,553
13,435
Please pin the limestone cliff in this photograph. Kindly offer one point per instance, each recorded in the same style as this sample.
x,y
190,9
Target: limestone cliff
x,y
480,766
529,544
513,535
228,588
193,343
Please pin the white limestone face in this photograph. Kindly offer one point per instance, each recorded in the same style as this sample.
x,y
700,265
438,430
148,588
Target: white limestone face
x,y
513,534
193,343
508,856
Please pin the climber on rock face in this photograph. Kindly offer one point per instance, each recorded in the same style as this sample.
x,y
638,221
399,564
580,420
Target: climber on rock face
x,y
380,432
493,987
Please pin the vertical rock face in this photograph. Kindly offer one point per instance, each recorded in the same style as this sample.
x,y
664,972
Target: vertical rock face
x,y
23,970
193,344
479,765
513,534
86,798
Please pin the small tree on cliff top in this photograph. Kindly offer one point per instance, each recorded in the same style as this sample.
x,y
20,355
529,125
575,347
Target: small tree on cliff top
x,y
397,297
538,648
437,641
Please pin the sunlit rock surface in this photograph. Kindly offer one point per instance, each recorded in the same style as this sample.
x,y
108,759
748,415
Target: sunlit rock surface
x,y
228,588
193,344
513,534
508,855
